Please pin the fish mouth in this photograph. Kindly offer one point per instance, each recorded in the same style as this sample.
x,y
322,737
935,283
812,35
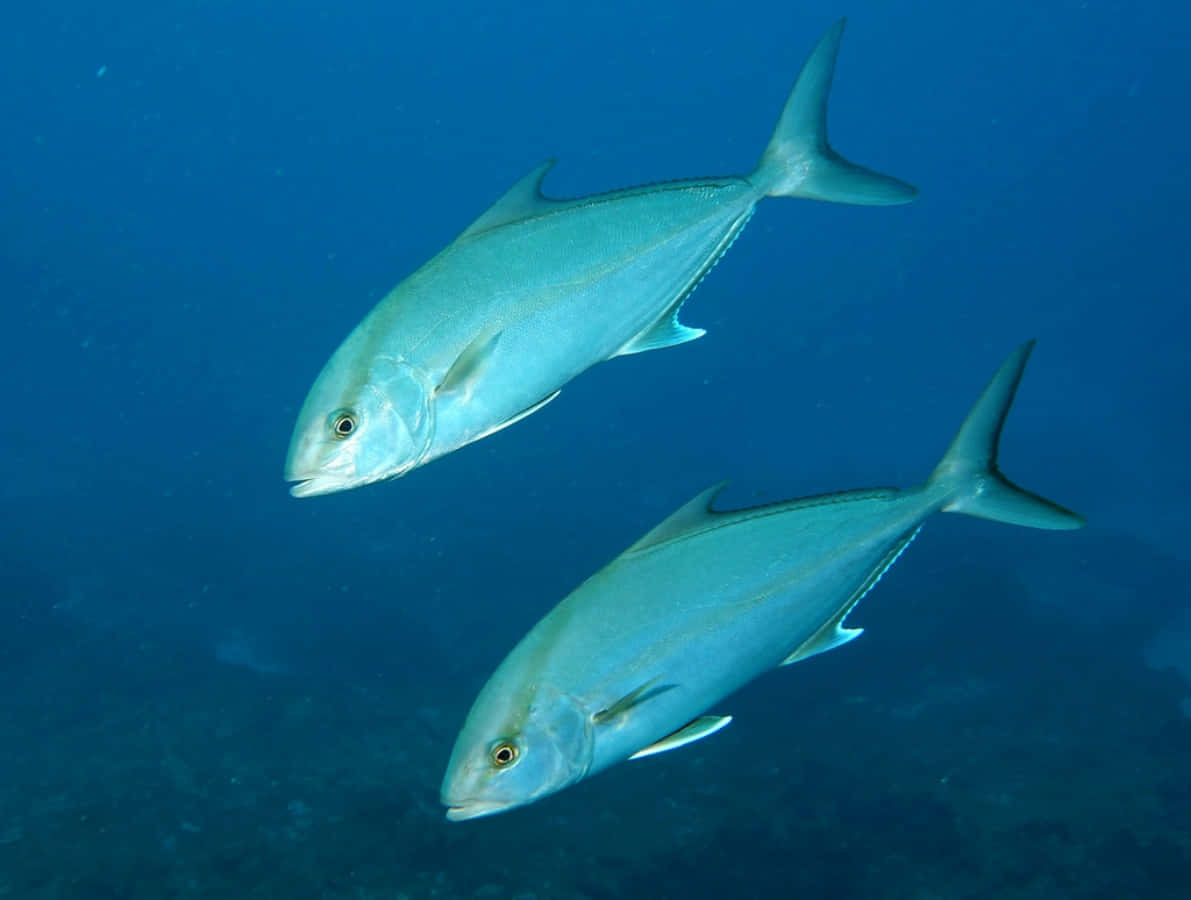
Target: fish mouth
x,y
316,485
475,810
311,487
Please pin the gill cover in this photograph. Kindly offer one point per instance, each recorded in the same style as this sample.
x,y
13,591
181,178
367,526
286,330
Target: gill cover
x,y
408,393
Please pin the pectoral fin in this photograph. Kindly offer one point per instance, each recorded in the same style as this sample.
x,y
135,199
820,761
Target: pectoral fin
x,y
688,734
634,698
469,366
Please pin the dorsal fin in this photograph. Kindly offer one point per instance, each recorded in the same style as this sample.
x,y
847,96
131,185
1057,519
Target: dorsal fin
x,y
691,516
522,200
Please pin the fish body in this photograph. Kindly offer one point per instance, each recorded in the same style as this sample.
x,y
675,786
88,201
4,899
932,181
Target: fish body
x,y
514,294
538,290
630,662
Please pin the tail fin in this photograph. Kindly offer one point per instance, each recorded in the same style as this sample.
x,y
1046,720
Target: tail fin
x,y
800,163
969,474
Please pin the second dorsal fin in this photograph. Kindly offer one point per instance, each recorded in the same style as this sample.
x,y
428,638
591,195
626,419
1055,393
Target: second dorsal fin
x,y
522,200
691,516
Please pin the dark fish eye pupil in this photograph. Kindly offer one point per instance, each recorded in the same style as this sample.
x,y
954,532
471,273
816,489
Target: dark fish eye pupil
x,y
344,424
504,754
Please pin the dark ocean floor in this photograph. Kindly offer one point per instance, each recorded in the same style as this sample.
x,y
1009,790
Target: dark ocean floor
x,y
1018,760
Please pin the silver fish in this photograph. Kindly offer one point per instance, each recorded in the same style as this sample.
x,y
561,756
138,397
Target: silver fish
x,y
629,664
538,290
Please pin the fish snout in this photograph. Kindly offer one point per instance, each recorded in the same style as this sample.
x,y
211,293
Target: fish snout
x,y
305,467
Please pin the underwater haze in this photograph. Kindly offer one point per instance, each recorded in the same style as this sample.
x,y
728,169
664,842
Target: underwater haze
x,y
212,689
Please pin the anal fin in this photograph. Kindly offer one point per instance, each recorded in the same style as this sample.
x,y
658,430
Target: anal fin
x,y
666,332
688,734
833,634
823,640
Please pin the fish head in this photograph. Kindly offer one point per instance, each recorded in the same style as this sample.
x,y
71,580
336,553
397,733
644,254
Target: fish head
x,y
510,754
364,420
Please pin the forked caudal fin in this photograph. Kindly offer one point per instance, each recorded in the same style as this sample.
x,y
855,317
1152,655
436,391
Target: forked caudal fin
x,y
968,473
799,162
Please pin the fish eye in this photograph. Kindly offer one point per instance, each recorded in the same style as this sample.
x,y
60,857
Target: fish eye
x,y
343,423
503,754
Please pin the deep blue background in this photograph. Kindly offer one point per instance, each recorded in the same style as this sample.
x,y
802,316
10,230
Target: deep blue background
x,y
188,235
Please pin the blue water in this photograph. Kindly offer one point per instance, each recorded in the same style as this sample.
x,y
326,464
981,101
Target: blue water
x,y
211,689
